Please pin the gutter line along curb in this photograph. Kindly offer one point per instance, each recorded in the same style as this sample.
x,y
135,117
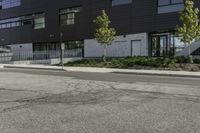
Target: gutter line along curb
x,y
113,71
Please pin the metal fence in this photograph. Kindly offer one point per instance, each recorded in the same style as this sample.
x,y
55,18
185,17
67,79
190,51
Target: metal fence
x,y
5,57
40,56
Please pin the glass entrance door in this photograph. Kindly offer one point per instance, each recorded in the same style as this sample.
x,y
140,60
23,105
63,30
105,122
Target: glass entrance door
x,y
154,46
163,45
159,45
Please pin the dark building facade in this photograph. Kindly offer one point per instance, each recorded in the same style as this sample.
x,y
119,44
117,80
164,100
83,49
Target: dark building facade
x,y
146,26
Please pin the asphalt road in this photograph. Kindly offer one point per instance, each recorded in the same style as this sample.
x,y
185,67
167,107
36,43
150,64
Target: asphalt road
x,y
42,101
109,77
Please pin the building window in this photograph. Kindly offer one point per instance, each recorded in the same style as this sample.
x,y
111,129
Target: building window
x,y
165,45
39,21
5,4
46,47
167,6
70,45
26,20
178,45
67,15
52,49
120,2
36,20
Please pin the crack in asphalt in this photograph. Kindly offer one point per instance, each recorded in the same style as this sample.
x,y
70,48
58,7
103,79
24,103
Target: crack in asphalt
x,y
20,90
83,92
2,89
94,97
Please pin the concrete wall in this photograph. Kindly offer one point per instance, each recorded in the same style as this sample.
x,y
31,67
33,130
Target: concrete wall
x,y
121,47
27,47
22,51
65,60
49,61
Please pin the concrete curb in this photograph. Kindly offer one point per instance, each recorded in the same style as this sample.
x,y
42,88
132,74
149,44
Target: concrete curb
x,y
108,70
136,72
88,69
157,74
34,67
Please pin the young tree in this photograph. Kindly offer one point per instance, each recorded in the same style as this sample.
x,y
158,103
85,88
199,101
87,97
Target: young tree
x,y
104,34
189,31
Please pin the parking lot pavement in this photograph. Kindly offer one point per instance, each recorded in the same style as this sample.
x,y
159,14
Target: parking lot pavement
x,y
45,103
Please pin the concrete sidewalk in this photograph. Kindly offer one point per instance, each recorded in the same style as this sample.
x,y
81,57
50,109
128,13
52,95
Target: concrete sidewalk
x,y
107,70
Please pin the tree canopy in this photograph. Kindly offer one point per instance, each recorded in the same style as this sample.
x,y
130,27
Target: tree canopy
x,y
104,34
189,30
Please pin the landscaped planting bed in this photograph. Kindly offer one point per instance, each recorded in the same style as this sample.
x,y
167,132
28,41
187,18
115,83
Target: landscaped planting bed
x,y
178,63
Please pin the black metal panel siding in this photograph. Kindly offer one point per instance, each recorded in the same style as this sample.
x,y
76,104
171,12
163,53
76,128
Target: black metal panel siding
x,y
140,16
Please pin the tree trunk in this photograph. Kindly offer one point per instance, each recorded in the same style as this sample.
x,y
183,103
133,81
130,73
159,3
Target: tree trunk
x,y
189,54
104,53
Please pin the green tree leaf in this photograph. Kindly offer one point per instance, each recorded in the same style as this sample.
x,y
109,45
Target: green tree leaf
x,y
104,34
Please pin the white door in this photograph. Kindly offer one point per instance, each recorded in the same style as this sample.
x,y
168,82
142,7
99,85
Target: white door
x,y
136,48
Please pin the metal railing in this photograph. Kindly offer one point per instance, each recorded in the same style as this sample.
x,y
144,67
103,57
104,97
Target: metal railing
x,y
38,55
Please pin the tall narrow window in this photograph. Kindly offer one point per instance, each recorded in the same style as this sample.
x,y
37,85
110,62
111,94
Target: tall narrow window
x,y
39,21
67,15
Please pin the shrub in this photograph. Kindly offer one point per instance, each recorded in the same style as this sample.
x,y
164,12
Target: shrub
x,y
181,59
167,62
197,61
132,61
116,63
